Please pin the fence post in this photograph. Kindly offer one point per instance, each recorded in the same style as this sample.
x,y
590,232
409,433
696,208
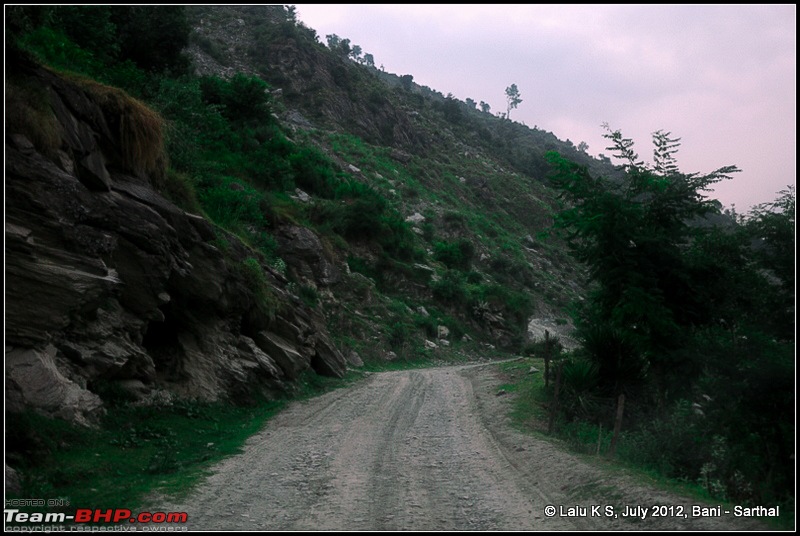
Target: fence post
x,y
599,437
617,425
554,407
546,359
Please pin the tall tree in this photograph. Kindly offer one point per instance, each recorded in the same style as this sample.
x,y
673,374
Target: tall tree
x,y
513,97
772,226
355,53
338,45
632,235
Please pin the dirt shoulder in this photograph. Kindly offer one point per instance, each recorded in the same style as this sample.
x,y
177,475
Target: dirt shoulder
x,y
583,486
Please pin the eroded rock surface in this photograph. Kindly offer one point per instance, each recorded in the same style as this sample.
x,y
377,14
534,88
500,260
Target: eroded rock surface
x,y
107,282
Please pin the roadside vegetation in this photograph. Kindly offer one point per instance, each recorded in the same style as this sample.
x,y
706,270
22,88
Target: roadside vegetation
x,y
690,318
639,451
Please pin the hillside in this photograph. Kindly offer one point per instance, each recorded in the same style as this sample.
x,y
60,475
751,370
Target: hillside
x,y
235,234
460,177
209,212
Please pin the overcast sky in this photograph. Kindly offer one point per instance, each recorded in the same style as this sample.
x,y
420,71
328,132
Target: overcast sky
x,y
722,78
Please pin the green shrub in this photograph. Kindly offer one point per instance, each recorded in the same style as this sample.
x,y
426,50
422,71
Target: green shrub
x,y
399,335
579,380
53,47
231,204
451,288
455,255
265,299
309,295
209,46
313,171
243,98
179,188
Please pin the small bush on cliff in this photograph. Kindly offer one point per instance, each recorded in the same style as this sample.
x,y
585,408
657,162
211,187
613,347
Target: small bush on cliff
x,y
253,273
179,189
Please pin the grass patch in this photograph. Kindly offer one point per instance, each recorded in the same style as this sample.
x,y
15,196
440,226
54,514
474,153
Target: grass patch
x,y
527,410
137,451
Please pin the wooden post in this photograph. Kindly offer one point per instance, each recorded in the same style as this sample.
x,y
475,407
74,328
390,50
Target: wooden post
x,y
554,407
617,425
599,437
546,359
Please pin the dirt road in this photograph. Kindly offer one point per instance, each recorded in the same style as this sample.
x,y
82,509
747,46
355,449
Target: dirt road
x,y
417,450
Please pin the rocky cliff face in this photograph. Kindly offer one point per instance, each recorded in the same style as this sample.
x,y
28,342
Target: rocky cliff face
x,y
112,288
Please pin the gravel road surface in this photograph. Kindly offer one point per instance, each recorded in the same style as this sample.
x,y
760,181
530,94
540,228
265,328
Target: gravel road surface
x,y
427,449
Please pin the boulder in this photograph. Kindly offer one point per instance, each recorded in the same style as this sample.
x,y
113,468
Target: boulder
x,y
34,381
353,359
283,353
416,218
305,256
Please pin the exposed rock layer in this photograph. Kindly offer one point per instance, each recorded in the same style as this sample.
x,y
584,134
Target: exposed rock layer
x,y
108,284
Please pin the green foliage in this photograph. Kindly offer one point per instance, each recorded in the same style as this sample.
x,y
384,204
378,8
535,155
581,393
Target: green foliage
x,y
399,335
92,28
339,46
455,255
231,204
153,37
134,451
243,99
104,42
210,46
772,226
451,108
632,236
179,188
309,295
361,213
265,299
313,171
691,321
406,81
54,47
516,306
450,288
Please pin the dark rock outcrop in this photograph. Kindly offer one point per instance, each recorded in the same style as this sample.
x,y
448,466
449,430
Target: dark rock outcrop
x,y
306,257
109,283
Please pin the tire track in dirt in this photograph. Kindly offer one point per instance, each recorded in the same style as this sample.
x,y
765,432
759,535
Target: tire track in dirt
x,y
426,449
399,451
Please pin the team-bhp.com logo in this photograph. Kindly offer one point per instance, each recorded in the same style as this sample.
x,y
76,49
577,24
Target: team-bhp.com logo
x,y
88,515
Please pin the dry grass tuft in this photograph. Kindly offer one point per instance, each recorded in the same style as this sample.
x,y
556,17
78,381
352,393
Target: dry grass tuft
x,y
140,130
